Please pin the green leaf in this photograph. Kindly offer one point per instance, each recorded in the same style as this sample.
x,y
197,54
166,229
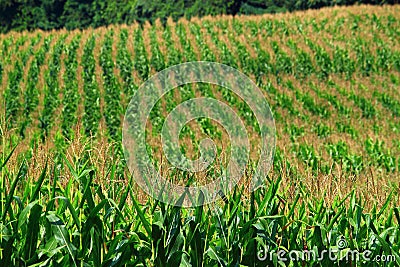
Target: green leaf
x,y
61,235
11,192
32,232
8,158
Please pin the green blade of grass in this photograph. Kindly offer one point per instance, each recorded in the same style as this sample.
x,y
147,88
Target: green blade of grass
x,y
39,183
7,158
11,192
142,217
32,231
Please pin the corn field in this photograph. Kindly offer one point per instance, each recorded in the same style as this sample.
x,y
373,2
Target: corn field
x,y
331,78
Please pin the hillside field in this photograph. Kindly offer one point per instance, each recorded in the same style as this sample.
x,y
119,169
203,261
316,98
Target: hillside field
x,y
331,78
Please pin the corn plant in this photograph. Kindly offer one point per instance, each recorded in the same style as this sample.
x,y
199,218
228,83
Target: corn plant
x,y
379,155
334,101
206,53
51,89
340,154
343,127
188,50
92,113
367,108
112,89
157,59
283,63
125,65
31,94
389,102
141,63
70,90
310,105
247,63
12,94
263,63
303,65
322,130
308,156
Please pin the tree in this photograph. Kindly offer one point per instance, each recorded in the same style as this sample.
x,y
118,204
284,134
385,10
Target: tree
x,y
77,14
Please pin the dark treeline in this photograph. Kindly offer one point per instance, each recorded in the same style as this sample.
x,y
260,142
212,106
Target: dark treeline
x,y
71,14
